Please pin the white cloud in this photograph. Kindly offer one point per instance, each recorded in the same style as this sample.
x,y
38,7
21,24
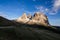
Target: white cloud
x,y
52,11
55,8
42,9
57,4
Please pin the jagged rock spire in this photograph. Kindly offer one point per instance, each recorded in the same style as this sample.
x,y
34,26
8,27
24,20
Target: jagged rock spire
x,y
23,18
41,18
38,18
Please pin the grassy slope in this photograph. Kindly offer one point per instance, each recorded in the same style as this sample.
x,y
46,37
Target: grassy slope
x,y
28,33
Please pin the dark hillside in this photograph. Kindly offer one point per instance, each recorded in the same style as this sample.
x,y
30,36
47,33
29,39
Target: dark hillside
x,y
27,33
12,30
5,22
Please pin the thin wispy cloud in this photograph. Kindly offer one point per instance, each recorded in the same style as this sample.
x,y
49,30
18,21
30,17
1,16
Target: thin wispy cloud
x,y
42,9
55,8
52,11
56,4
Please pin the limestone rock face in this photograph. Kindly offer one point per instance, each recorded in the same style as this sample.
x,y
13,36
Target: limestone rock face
x,y
23,18
38,18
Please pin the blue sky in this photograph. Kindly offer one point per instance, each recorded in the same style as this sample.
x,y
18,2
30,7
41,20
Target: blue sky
x,y
12,9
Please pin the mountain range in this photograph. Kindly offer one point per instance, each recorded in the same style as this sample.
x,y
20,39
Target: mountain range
x,y
29,27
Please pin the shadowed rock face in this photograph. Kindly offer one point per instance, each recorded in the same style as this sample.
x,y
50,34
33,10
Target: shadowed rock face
x,y
38,18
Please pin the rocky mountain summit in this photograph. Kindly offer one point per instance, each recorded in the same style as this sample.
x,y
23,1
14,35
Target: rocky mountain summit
x,y
38,18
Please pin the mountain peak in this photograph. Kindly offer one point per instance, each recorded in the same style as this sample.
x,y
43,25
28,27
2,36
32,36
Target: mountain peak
x,y
38,18
24,16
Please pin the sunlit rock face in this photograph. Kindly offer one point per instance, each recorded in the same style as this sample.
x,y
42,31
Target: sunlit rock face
x,y
23,18
38,18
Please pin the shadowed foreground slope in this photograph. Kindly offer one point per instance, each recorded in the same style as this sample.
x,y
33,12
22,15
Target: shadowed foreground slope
x,y
27,33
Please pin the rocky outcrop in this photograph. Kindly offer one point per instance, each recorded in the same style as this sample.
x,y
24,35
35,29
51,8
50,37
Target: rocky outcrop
x,y
38,18
23,18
